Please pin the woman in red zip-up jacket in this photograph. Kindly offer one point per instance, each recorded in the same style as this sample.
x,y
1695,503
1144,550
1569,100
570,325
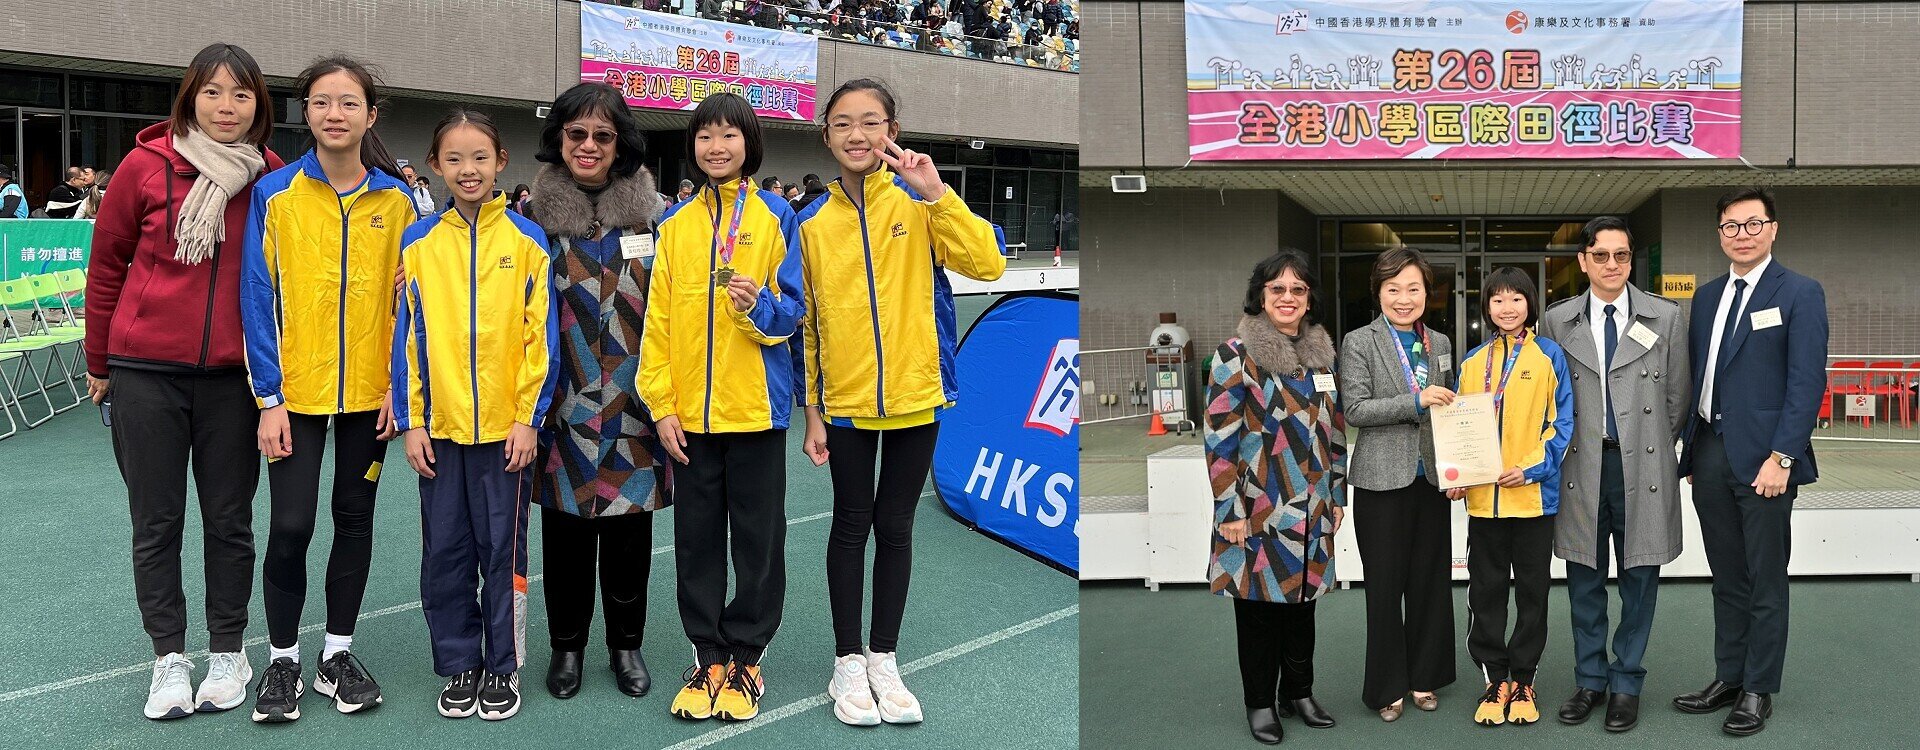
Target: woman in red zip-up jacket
x,y
164,350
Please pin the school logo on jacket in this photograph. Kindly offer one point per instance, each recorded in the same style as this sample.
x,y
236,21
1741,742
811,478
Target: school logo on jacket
x,y
746,238
1526,374
379,221
506,261
899,229
1056,405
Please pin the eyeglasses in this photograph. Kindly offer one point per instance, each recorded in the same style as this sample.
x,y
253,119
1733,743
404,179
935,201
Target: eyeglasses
x,y
1288,291
348,105
843,127
580,135
1753,227
1599,257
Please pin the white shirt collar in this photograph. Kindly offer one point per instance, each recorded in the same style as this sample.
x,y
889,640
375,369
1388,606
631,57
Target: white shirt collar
x,y
1596,309
1751,277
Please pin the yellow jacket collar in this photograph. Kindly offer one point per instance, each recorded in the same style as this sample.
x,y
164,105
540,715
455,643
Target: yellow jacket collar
x,y
724,193
873,184
490,212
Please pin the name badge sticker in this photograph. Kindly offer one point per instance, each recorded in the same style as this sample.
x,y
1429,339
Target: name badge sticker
x,y
636,246
1639,332
1323,382
1767,318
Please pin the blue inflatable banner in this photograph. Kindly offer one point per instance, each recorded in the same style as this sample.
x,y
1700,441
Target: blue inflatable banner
x,y
1008,461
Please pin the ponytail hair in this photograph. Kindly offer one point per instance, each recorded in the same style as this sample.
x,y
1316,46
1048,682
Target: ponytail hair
x,y
373,153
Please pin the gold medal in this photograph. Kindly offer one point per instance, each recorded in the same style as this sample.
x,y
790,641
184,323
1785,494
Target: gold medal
x,y
723,276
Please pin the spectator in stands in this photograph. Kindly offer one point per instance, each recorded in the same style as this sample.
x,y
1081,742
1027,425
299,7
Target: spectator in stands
x,y
13,202
63,202
1033,38
1053,14
1001,32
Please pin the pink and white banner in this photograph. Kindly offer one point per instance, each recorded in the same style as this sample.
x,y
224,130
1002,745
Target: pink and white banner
x,y
1465,79
670,61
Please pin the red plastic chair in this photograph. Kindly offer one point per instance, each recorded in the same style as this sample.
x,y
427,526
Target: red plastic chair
x,y
1845,378
1892,386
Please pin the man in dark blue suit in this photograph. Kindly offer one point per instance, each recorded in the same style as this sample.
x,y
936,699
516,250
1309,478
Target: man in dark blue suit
x,y
1759,343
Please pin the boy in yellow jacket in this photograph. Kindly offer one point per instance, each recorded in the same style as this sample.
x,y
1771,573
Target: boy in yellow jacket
x,y
1510,522
715,377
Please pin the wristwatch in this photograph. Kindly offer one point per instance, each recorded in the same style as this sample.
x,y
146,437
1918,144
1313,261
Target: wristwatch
x,y
1786,461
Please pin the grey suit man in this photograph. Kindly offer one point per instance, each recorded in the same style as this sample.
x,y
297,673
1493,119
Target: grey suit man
x,y
1628,353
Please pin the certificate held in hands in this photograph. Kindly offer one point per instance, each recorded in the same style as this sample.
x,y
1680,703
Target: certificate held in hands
x,y
1466,441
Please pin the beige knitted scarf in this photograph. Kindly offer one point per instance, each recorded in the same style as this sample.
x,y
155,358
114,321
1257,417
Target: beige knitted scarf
x,y
225,169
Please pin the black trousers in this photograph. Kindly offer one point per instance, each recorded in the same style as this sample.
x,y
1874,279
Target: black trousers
x,y
1406,540
294,488
734,482
162,424
569,568
1503,554
1748,539
886,510
1276,650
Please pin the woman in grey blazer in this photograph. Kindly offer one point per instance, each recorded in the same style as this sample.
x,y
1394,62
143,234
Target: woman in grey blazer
x,y
1391,372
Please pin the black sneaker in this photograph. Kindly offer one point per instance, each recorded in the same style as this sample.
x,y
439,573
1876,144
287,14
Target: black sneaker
x,y
461,697
279,692
344,679
500,696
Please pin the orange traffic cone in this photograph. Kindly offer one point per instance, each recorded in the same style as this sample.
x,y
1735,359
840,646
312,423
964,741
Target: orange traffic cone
x,y
1156,427
1056,256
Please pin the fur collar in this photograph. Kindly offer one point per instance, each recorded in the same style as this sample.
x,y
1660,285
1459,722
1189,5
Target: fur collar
x,y
564,210
1281,355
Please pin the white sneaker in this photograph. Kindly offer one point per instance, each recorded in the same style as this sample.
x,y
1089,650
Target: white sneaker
x,y
852,695
897,705
170,695
226,685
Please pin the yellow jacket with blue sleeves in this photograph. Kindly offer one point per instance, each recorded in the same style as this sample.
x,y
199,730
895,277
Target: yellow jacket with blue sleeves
x,y
316,283
1536,421
880,333
701,359
473,346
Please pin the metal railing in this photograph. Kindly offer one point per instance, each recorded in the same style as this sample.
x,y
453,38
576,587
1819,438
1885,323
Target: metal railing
x,y
1136,383
1871,400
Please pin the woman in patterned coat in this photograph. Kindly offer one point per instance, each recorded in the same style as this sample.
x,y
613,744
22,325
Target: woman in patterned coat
x,y
602,470
1276,453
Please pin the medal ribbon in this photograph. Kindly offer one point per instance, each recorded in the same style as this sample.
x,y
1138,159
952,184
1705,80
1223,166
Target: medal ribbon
x,y
1506,371
733,228
1406,366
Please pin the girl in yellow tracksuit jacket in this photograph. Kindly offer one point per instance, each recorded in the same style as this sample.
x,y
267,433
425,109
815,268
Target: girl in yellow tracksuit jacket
x,y
716,378
1510,522
322,243
472,381
877,363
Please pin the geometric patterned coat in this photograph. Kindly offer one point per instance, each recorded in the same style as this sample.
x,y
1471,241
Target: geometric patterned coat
x,y
1276,455
599,455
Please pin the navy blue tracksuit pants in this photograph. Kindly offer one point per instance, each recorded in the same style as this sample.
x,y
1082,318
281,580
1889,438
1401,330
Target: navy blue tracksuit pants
x,y
473,522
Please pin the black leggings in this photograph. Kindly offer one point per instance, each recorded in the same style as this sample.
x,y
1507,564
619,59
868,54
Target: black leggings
x,y
857,507
294,484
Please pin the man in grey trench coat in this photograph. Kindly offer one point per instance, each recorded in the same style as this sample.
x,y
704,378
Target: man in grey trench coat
x,y
1627,350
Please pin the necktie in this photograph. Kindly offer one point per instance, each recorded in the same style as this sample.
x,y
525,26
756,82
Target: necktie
x,y
1612,343
1726,347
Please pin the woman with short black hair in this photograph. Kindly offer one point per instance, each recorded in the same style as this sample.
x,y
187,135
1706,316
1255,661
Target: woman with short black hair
x,y
600,469
1276,448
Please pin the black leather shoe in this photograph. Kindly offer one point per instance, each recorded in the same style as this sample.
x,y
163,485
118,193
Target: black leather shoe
x,y
1264,725
1713,697
1580,706
1307,709
630,671
1623,711
1750,714
563,674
